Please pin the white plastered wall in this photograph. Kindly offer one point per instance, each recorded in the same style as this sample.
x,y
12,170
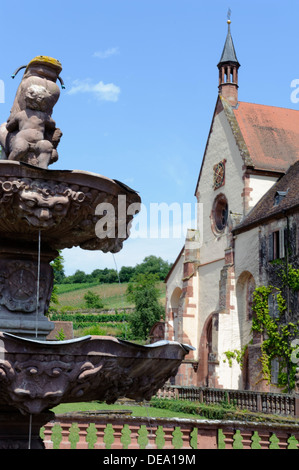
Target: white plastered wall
x,y
221,146
234,329
260,185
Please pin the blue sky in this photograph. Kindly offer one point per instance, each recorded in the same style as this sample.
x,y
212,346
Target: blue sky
x,y
141,85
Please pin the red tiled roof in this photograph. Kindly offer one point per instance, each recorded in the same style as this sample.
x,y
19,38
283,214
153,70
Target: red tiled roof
x,y
271,135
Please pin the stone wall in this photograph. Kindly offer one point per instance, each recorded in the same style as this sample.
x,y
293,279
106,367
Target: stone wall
x,y
65,326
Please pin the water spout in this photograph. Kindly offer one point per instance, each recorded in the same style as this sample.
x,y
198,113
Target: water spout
x,y
30,431
38,282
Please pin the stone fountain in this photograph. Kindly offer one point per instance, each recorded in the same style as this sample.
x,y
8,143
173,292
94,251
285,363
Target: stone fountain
x,y
43,211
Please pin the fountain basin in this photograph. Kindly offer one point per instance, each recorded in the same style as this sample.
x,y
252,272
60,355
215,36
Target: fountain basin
x,y
37,375
69,208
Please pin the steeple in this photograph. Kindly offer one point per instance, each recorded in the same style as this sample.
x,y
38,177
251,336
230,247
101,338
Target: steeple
x,y
228,70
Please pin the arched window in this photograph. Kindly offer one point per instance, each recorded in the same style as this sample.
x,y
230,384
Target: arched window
x,y
244,291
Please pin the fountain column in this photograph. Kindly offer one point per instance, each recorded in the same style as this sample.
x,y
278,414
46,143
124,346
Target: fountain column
x,y
19,431
22,305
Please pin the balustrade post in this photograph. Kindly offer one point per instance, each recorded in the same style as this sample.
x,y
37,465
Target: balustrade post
x,y
151,436
229,438
134,436
65,433
283,439
168,437
117,434
82,444
246,438
48,430
259,406
186,431
264,439
100,434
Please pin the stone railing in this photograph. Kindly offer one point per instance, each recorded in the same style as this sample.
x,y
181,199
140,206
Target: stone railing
x,y
128,432
273,403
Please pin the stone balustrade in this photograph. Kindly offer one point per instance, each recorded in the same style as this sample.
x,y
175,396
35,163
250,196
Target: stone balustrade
x,y
265,402
128,432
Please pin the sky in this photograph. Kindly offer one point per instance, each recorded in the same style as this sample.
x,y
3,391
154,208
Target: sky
x,y
141,86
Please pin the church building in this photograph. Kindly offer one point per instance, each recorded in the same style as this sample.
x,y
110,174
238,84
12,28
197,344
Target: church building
x,y
247,197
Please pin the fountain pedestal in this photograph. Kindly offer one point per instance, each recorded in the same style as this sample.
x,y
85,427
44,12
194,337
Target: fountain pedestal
x,y
19,431
26,284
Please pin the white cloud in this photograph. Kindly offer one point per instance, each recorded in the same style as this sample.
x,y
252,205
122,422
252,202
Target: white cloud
x,y
102,91
107,53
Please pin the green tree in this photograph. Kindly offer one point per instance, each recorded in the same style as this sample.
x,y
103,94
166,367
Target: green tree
x,y
148,310
95,275
79,276
153,265
93,300
126,273
59,276
107,276
58,269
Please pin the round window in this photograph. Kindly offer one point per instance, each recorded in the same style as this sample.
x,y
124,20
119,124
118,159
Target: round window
x,y
220,213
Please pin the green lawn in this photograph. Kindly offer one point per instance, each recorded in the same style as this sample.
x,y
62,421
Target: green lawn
x,y
144,409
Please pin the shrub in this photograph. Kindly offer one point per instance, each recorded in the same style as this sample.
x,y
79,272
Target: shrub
x,y
60,335
215,411
92,318
93,300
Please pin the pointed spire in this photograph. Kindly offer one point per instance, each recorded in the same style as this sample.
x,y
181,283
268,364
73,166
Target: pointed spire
x,y
228,70
228,53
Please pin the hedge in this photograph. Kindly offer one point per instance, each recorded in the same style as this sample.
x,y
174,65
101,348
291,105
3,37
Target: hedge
x,y
213,411
77,325
90,318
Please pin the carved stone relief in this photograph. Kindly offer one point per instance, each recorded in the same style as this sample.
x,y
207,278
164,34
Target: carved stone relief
x,y
66,214
18,281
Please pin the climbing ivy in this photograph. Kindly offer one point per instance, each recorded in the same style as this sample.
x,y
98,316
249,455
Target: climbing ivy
x,y
237,355
277,333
